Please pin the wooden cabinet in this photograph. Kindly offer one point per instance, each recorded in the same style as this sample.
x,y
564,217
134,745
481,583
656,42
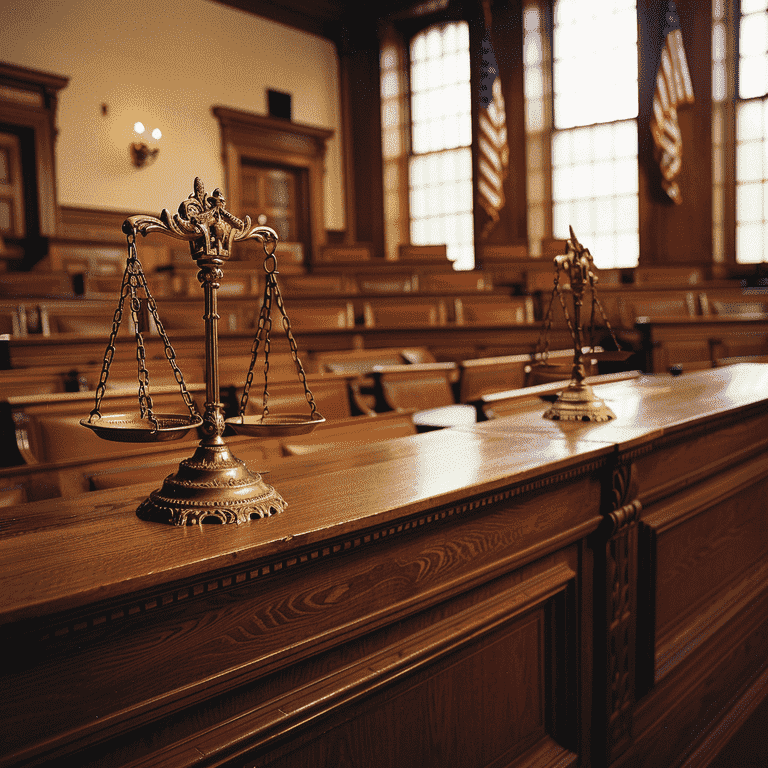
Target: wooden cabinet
x,y
521,592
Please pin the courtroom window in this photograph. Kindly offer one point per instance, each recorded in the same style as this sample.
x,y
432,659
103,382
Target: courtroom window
x,y
592,128
440,159
752,133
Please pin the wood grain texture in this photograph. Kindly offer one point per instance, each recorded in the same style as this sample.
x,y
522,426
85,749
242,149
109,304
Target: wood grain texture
x,y
514,593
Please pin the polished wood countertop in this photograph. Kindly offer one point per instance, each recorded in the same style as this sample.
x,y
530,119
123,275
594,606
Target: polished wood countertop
x,y
61,555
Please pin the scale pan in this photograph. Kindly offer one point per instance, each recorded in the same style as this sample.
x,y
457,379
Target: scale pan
x,y
285,425
131,428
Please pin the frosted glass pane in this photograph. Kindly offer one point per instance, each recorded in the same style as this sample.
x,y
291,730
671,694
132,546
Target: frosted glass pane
x,y
561,147
434,43
418,203
625,139
749,162
562,183
603,179
750,121
750,243
582,212
752,6
605,218
753,77
749,202
419,48
753,37
626,213
450,39
583,181
602,142
595,62
561,217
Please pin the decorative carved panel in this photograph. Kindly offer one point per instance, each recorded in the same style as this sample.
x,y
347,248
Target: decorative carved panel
x,y
273,143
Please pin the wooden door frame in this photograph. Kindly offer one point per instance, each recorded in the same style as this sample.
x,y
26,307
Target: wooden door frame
x,y
274,140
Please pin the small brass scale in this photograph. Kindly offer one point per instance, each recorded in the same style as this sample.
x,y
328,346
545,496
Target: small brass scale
x,y
213,485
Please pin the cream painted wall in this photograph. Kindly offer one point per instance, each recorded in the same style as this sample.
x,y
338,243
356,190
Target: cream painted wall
x,y
165,63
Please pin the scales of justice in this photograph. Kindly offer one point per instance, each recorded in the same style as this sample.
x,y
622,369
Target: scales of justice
x,y
213,485
575,276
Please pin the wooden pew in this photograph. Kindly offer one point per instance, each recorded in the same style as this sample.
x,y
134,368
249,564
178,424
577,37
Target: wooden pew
x,y
414,387
484,375
462,282
699,341
405,312
494,310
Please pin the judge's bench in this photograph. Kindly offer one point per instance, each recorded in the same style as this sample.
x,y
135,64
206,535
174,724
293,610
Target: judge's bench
x,y
519,592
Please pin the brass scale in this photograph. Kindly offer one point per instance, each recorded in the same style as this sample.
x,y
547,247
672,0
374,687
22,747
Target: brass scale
x,y
214,485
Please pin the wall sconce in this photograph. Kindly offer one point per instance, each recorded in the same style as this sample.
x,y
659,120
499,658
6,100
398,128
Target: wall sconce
x,y
141,153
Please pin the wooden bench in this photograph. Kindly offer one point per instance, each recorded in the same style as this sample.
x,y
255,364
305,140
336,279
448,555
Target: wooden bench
x,y
700,341
494,310
408,312
484,375
48,429
414,387
446,282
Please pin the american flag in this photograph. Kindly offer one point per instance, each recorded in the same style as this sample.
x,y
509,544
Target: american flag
x,y
493,152
673,87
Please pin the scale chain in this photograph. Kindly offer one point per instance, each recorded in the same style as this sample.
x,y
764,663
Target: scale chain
x,y
110,351
264,316
170,352
294,351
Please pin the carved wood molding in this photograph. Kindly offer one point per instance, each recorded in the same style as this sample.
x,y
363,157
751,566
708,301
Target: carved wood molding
x,y
617,617
77,624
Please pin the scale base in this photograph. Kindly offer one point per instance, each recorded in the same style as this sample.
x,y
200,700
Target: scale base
x,y
213,486
578,402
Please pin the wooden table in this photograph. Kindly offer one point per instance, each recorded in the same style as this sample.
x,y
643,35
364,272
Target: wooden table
x,y
519,590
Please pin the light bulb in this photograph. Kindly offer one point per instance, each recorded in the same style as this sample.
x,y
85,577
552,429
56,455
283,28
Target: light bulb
x,y
157,134
138,127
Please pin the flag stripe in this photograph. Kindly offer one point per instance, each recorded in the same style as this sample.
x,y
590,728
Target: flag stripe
x,y
673,87
493,152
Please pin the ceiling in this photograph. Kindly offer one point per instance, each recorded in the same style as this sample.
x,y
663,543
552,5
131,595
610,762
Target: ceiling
x,y
327,18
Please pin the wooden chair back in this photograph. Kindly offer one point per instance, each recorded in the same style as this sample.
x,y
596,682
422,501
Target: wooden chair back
x,y
48,428
445,282
344,253
414,387
388,282
492,374
494,310
82,317
316,285
331,395
42,284
405,313
325,315
662,305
